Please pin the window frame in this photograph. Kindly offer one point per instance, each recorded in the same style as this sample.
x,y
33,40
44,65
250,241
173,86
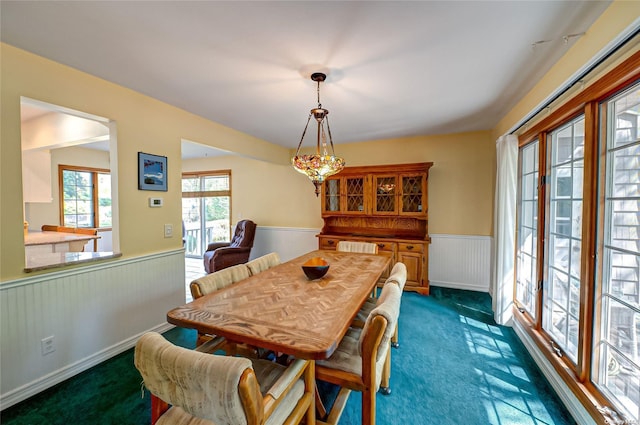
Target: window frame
x,y
94,198
577,376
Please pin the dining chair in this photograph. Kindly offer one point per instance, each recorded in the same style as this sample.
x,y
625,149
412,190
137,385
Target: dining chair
x,y
397,279
359,361
213,282
263,263
88,231
79,230
398,276
188,386
361,247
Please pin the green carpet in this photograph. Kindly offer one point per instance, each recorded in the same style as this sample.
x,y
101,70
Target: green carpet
x,y
454,366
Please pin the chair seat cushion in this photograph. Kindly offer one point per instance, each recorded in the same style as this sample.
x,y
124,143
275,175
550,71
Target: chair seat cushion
x,y
346,356
177,416
366,309
267,374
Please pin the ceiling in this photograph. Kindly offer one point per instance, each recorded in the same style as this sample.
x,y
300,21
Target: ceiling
x,y
395,68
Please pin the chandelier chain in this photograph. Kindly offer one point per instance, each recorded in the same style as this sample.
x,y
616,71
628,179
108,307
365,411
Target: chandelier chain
x,y
320,165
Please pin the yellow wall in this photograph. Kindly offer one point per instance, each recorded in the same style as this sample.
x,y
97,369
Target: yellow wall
x,y
619,16
269,194
142,123
460,181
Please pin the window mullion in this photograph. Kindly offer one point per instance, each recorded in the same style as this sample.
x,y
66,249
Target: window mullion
x,y
542,201
94,196
589,228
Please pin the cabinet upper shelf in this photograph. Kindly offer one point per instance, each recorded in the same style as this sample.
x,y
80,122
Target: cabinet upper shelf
x,y
392,190
381,200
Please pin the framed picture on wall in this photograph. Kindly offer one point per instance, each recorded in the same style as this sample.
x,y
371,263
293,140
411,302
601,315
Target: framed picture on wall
x,y
152,172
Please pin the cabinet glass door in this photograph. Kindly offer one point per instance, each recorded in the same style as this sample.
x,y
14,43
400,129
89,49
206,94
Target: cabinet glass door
x,y
332,195
385,199
354,188
412,196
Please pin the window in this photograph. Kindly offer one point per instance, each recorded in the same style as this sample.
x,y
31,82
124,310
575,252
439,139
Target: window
x,y
561,297
527,261
617,341
85,197
577,278
206,209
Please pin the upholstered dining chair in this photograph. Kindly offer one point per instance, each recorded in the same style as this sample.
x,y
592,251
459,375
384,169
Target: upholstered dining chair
x,y
263,263
360,247
213,282
353,246
398,276
188,386
217,280
220,255
359,361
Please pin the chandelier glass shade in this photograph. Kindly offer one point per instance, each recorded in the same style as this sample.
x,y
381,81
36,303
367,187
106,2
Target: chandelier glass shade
x,y
320,165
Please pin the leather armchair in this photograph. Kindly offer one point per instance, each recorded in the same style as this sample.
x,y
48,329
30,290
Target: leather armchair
x,y
220,255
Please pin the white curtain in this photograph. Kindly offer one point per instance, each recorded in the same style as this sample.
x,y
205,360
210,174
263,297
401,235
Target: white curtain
x,y
504,229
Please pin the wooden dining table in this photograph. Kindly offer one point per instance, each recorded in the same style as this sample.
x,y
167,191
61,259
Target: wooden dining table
x,y
280,309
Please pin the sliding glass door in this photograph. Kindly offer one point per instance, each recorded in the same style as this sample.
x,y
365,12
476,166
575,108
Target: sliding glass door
x,y
206,210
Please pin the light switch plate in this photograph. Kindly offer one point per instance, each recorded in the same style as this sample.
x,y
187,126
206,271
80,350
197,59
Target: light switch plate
x,y
168,230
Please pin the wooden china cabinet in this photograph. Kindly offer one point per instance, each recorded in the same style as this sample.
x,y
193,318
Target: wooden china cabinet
x,y
387,205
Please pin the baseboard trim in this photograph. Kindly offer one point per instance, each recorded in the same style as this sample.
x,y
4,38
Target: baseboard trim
x,y
573,405
32,388
459,285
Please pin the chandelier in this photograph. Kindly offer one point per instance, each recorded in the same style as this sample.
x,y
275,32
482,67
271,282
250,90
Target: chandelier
x,y
320,165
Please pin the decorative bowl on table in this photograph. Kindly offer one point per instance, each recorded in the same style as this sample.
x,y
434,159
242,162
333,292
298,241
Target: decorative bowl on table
x,y
315,268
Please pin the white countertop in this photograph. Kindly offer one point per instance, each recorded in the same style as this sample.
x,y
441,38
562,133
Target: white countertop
x,y
43,238
61,259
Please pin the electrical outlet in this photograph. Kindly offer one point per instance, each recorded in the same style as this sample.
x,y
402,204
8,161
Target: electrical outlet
x,y
48,345
168,230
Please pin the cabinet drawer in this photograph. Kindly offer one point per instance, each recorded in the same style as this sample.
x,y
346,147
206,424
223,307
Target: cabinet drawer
x,y
328,243
385,246
410,247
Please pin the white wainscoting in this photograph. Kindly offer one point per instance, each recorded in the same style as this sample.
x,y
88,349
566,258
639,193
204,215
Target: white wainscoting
x,y
288,242
460,262
93,312
455,261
